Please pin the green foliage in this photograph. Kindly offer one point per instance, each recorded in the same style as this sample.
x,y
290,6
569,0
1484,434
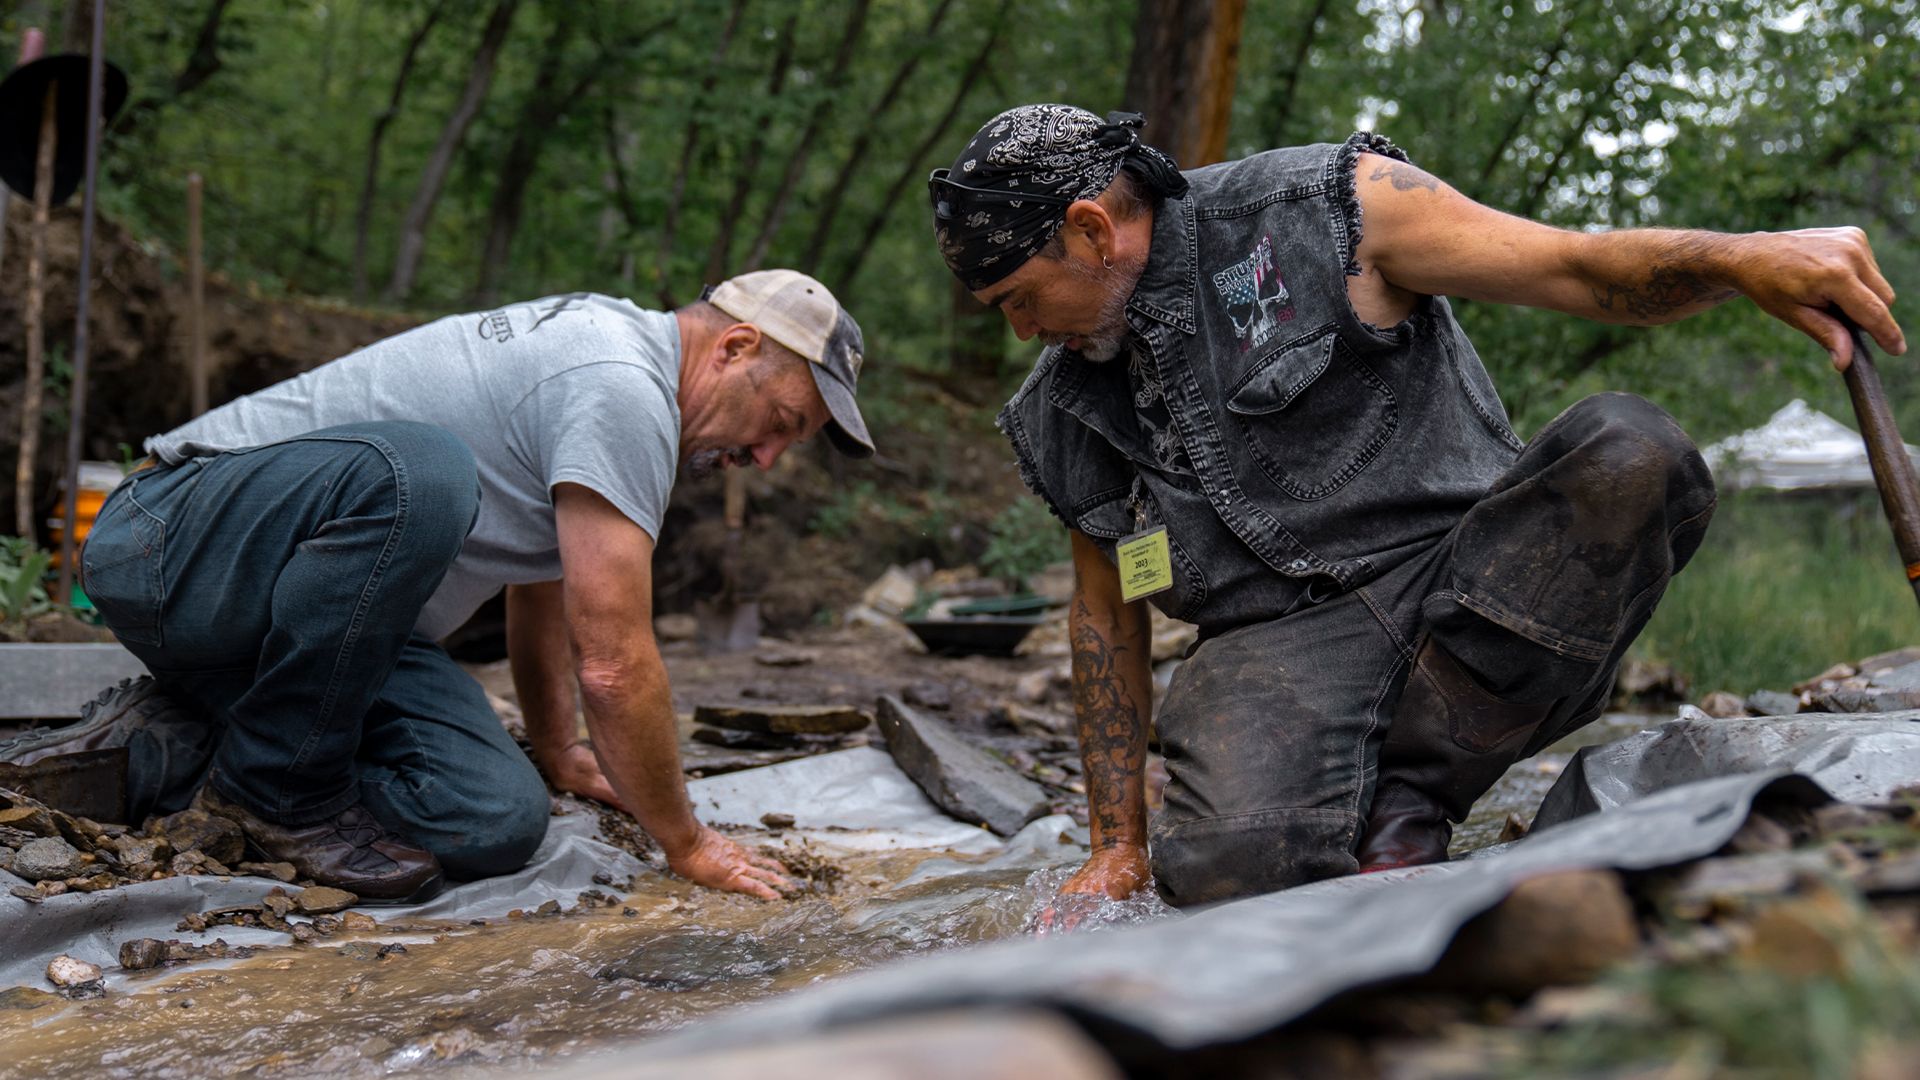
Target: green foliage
x,y
1783,588
23,568
1025,539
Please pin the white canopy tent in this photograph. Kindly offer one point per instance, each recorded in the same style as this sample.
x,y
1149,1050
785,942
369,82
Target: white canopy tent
x,y
1798,448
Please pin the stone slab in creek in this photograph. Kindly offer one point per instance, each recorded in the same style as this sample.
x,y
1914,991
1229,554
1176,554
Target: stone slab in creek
x,y
961,778
784,719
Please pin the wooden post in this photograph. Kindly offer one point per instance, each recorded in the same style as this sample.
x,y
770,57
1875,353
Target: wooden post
x,y
196,300
77,402
36,317
1893,471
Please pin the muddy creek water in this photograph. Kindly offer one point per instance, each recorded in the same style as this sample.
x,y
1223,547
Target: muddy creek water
x,y
461,997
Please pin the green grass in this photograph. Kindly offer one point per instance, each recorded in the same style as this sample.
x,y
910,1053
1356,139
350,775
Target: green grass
x,y
1784,587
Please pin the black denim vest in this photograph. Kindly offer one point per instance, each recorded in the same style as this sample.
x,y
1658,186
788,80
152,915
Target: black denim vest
x,y
1314,451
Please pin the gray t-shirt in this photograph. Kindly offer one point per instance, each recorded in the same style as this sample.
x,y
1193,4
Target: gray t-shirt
x,y
577,388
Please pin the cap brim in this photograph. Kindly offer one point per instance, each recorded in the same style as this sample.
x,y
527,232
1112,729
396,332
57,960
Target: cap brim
x,y
847,430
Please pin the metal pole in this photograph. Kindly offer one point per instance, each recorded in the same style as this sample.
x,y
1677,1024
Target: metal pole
x,y
23,502
77,406
1893,471
196,300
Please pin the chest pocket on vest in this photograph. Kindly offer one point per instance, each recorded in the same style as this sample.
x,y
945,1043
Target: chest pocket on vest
x,y
1313,415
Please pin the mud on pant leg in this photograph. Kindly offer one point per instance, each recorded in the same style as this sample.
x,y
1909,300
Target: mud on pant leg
x,y
1558,569
1269,732
437,765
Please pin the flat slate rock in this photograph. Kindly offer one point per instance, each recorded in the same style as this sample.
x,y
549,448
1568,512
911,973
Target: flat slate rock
x,y
784,719
959,777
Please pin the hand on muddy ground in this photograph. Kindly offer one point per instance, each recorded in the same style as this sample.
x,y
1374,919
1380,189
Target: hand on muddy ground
x,y
576,771
1109,874
719,863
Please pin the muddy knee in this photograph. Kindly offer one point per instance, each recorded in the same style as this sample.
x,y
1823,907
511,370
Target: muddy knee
x,y
1223,858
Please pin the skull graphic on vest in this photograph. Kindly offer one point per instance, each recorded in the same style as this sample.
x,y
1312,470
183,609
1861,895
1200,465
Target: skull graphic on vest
x,y
1255,298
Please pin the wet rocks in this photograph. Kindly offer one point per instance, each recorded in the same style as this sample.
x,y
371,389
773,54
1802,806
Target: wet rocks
x,y
1557,930
783,719
76,978
196,830
321,900
959,777
47,859
684,962
776,821
142,953
1723,706
928,695
33,819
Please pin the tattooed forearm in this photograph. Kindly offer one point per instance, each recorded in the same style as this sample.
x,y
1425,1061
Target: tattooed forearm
x,y
1404,177
1113,733
1667,289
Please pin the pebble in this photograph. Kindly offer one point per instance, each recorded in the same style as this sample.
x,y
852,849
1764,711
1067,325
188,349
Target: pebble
x,y
322,900
776,820
142,953
46,859
68,973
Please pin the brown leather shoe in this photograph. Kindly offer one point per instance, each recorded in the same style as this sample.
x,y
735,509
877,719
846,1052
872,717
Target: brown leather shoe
x,y
1450,741
349,850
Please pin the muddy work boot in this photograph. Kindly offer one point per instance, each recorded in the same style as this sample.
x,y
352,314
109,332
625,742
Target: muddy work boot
x,y
109,720
1450,741
168,743
349,850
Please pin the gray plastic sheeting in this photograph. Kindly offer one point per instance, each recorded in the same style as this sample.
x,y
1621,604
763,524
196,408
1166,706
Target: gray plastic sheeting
x,y
1243,968
856,799
1858,758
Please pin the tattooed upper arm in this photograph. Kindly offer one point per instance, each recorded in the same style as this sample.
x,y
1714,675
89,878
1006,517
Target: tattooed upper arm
x,y
1403,176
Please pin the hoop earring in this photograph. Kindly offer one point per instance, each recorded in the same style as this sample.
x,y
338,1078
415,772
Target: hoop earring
x,y
1106,261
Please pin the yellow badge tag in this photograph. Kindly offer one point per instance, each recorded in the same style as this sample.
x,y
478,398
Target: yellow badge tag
x,y
1145,567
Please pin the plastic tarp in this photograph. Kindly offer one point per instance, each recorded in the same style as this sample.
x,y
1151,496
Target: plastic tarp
x,y
854,799
1799,447
1855,757
1240,969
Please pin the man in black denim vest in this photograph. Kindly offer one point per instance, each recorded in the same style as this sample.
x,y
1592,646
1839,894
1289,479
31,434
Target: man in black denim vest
x,y
1273,416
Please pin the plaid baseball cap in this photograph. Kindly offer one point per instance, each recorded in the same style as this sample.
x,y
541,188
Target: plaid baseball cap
x,y
799,313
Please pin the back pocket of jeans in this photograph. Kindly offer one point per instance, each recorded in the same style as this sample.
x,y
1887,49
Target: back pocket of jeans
x,y
121,570
1313,415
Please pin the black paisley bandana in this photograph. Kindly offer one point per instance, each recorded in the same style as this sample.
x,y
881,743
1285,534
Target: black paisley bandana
x,y
1008,192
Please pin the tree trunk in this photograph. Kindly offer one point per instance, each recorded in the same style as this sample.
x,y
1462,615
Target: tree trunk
x,y
1186,54
433,178
363,213
676,194
721,252
803,146
538,113
915,168
837,191
1287,89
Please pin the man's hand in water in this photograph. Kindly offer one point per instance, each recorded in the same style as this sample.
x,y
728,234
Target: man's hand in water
x,y
1113,873
719,863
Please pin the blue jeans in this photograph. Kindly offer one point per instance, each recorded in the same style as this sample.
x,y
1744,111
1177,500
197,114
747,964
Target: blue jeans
x,y
275,589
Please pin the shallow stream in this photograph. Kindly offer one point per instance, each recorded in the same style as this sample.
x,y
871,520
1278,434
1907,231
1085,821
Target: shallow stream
x,y
462,996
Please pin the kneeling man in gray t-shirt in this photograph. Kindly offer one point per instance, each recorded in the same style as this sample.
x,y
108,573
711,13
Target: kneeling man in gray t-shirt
x,y
286,563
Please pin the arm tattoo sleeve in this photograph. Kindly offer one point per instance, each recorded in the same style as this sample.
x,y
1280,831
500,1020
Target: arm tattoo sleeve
x,y
1112,731
1674,282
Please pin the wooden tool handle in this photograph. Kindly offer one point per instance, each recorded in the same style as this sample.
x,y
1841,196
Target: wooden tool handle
x,y
1893,471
